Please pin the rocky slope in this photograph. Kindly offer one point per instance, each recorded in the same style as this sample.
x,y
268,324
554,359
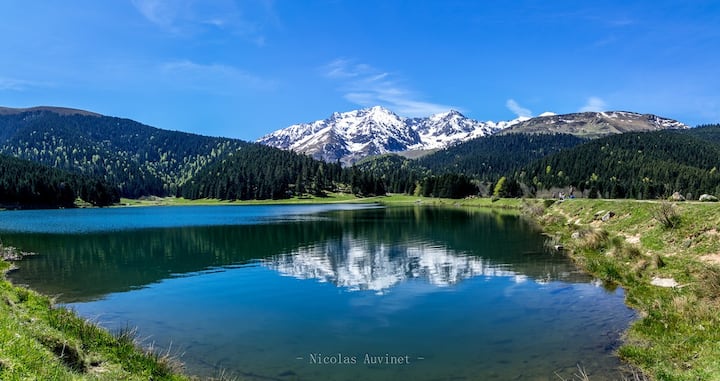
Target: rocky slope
x,y
353,135
595,124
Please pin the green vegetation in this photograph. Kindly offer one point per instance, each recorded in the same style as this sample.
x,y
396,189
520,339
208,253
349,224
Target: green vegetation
x,y
678,330
676,335
258,172
400,175
328,198
481,161
707,132
24,183
623,242
39,341
491,157
146,161
632,165
139,159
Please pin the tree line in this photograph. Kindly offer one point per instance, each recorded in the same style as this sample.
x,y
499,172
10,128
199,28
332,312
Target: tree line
x,y
24,183
632,165
258,172
141,160
101,158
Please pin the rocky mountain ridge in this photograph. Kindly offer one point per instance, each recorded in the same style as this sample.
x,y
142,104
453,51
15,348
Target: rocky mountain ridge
x,y
596,124
353,135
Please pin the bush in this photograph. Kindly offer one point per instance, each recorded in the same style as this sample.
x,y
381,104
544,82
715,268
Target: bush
x,y
666,214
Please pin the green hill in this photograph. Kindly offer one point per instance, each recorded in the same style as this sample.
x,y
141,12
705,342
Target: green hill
x,y
140,159
707,132
257,172
633,165
491,157
27,184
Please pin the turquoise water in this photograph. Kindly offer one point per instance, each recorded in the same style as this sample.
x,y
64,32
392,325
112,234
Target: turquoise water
x,y
327,292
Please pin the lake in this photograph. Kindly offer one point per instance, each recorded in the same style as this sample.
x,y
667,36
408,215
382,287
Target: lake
x,y
328,292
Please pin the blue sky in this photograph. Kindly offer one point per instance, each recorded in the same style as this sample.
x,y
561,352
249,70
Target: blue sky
x,y
245,68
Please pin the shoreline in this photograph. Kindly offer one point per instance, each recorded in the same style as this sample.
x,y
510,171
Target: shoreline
x,y
671,278
39,340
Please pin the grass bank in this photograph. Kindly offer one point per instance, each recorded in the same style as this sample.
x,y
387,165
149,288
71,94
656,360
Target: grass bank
x,y
635,244
666,257
669,268
39,341
331,198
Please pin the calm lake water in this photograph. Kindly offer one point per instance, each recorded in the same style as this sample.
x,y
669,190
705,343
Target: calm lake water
x,y
327,292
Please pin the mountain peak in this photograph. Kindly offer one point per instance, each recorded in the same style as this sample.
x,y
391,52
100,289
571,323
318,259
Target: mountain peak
x,y
352,135
448,114
379,109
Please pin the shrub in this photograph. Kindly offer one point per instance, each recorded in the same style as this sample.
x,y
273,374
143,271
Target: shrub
x,y
666,214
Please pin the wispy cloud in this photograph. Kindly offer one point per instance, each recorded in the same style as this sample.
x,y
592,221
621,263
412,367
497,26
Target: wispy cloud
x,y
367,86
14,84
159,12
213,78
594,104
518,110
191,17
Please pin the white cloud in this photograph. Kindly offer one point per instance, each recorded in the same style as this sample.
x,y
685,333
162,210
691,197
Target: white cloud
x,y
341,68
594,104
13,84
367,86
214,78
517,109
191,17
160,12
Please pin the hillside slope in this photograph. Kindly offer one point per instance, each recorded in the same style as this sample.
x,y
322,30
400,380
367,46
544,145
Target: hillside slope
x,y
25,184
140,159
633,165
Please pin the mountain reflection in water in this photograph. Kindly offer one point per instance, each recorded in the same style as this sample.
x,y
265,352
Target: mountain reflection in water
x,y
359,265
474,293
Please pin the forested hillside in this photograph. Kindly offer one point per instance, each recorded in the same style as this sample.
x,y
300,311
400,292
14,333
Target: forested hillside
x,y
633,165
402,175
399,174
109,156
141,160
492,157
261,172
24,183
459,170
707,132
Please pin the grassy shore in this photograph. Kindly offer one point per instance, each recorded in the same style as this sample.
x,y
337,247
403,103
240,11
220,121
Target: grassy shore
x,y
669,266
39,341
670,272
637,245
331,198
665,255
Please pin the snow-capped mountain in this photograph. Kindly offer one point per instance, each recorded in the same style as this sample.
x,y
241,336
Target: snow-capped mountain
x,y
448,128
354,264
347,136
595,124
350,136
